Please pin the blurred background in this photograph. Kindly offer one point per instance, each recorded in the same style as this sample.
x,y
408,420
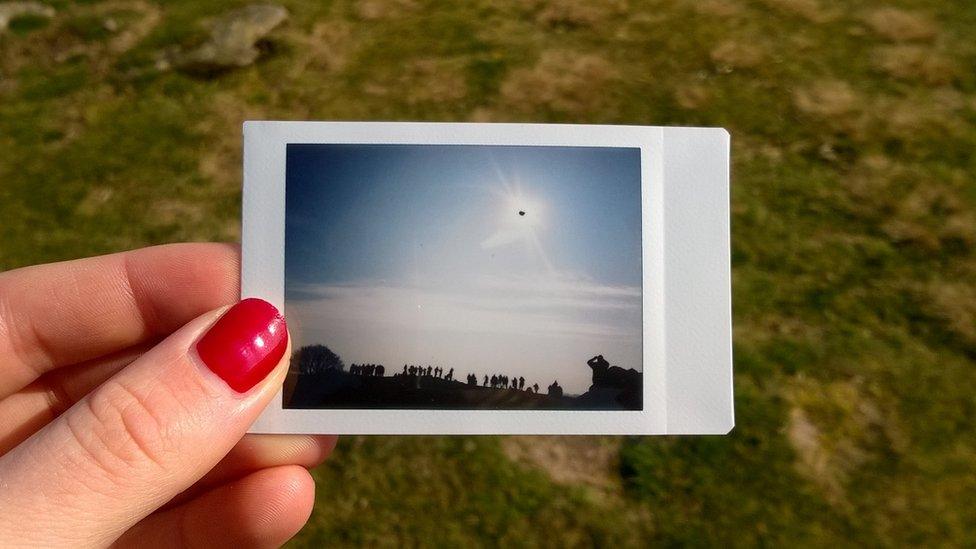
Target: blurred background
x,y
853,128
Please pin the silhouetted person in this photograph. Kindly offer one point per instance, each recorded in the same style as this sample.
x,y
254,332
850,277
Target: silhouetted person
x,y
380,370
535,387
555,390
413,370
521,383
486,381
600,367
450,375
404,369
430,371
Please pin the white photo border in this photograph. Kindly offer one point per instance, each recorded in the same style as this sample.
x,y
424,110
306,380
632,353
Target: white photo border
x,y
687,346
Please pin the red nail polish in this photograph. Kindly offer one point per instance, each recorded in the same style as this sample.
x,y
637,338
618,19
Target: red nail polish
x,y
245,344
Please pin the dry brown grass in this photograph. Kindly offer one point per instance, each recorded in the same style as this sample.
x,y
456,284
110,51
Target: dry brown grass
x,y
577,13
731,55
93,202
900,25
836,428
717,8
917,118
428,80
953,304
826,99
149,16
381,9
811,10
692,96
220,161
433,80
323,50
915,63
174,211
561,81
932,216
591,461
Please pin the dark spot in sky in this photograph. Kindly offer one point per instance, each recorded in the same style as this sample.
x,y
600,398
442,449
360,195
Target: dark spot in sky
x,y
521,212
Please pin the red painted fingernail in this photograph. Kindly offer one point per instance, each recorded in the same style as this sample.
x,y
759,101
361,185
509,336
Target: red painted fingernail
x,y
245,344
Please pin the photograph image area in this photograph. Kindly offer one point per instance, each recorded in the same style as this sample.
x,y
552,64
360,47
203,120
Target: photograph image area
x,y
463,277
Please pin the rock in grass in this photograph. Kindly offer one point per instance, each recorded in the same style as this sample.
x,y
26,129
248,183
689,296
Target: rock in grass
x,y
13,10
232,40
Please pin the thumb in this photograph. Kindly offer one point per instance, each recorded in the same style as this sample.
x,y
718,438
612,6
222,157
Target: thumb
x,y
146,434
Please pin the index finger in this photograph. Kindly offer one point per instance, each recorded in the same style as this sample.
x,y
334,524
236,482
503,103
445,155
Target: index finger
x,y
65,313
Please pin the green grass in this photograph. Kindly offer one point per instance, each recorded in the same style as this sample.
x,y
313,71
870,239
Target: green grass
x,y
853,238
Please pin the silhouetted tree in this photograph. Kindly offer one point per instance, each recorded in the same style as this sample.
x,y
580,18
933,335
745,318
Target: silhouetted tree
x,y
316,359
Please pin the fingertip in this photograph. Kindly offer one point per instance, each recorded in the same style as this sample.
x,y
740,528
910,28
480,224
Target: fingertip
x,y
282,502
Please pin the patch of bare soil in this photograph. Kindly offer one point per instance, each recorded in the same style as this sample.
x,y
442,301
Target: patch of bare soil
x,y
900,25
573,460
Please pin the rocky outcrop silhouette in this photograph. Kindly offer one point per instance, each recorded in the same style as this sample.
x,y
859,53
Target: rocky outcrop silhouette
x,y
613,385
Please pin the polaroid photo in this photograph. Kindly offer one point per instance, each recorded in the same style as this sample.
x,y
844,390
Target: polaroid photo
x,y
493,278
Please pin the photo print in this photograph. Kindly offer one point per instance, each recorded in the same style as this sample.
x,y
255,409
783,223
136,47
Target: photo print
x,y
463,277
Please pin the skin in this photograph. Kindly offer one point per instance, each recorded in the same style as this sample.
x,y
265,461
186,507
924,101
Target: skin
x,y
114,431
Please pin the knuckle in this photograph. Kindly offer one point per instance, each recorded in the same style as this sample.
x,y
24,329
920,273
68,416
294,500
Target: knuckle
x,y
129,428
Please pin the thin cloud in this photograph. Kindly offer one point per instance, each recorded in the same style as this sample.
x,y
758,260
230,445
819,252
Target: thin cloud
x,y
558,306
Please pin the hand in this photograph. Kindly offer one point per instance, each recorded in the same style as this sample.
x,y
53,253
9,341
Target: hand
x,y
117,427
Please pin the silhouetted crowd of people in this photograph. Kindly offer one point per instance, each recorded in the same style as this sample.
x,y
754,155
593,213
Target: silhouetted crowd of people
x,y
426,371
496,381
604,375
367,370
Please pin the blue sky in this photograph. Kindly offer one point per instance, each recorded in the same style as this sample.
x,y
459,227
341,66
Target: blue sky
x,y
417,254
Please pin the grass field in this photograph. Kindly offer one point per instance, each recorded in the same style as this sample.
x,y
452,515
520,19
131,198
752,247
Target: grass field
x,y
854,294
